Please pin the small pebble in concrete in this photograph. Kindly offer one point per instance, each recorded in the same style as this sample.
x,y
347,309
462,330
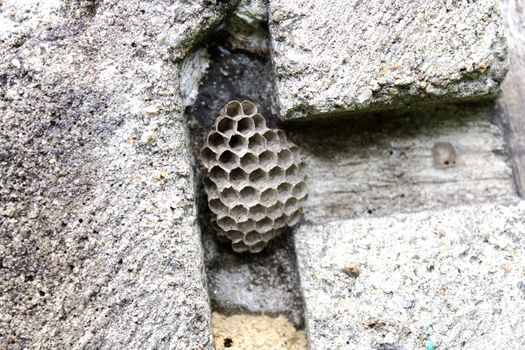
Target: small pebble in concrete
x,y
444,155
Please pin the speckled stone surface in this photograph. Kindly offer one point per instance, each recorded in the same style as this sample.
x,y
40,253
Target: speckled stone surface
x,y
336,56
99,248
453,279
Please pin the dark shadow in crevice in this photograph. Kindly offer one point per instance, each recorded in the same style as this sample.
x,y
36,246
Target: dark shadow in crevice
x,y
268,282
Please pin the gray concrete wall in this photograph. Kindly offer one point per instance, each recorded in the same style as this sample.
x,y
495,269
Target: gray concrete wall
x,y
99,247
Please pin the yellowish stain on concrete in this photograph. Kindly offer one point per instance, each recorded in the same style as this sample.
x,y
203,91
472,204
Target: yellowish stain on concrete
x,y
239,332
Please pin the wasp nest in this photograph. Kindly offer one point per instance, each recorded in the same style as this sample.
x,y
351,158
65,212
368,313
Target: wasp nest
x,y
254,178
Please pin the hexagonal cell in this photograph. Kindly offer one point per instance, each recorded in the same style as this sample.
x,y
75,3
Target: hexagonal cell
x,y
235,236
260,122
275,211
233,109
267,236
293,218
248,107
292,170
272,140
299,190
276,175
249,195
269,196
282,136
280,222
291,205
246,226
257,247
238,177
239,212
239,247
256,143
258,178
249,162
228,159
208,157
285,188
257,212
238,143
267,160
252,237
245,125
285,158
226,223
264,225
302,167
217,142
217,206
229,196
226,125
218,175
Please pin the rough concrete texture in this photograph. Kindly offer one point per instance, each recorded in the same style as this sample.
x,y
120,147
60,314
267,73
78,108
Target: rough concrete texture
x,y
381,163
338,56
98,242
451,279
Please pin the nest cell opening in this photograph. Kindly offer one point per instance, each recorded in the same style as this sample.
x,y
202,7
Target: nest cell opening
x,y
245,125
249,195
267,159
257,247
229,195
218,174
248,107
226,125
252,237
257,212
247,225
238,212
217,141
237,142
233,109
269,196
238,176
258,177
259,121
229,159
239,247
285,158
276,175
272,140
256,143
234,236
275,211
217,206
249,162
226,223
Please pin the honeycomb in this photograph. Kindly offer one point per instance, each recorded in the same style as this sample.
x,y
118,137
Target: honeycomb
x,y
254,178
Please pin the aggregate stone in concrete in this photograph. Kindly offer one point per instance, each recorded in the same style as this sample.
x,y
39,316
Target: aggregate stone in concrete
x,y
99,246
453,279
337,56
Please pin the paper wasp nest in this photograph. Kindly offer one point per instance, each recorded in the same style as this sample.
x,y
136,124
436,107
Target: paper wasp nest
x,y
254,179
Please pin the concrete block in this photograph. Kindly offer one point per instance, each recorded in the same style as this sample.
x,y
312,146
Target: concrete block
x,y
450,279
99,247
337,56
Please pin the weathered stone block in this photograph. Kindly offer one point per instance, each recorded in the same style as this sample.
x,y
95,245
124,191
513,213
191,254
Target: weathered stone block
x,y
99,248
453,279
338,56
